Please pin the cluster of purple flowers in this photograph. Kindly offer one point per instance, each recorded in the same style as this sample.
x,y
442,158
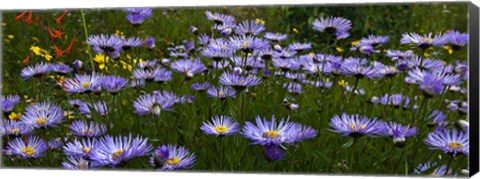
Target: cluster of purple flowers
x,y
41,69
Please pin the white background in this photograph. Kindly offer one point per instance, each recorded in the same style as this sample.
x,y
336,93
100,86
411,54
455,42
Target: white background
x,y
51,4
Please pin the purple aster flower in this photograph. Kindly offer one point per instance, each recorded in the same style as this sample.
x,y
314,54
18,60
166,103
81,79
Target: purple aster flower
x,y
239,82
148,64
356,125
295,76
204,39
374,40
358,91
437,119
432,83
251,27
269,132
452,142
188,67
200,86
170,157
284,53
264,54
150,43
105,43
99,107
286,64
355,67
425,63
14,128
438,172
40,115
217,54
333,25
398,132
424,41
275,37
317,68
31,147
398,54
225,29
273,152
457,39
193,30
137,83
247,43
61,68
388,71
131,42
55,143
300,47
118,150
299,132
83,148
396,100
9,102
220,126
294,88
152,104
219,18
113,84
36,70
462,69
158,74
249,64
78,64
82,128
221,92
79,163
137,16
85,83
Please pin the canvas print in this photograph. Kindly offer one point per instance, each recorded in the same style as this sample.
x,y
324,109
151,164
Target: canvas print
x,y
377,89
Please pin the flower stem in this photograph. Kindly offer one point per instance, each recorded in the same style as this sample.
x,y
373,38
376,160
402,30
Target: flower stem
x,y
448,165
86,37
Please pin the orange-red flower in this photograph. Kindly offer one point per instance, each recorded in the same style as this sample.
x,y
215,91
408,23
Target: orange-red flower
x,y
25,61
58,20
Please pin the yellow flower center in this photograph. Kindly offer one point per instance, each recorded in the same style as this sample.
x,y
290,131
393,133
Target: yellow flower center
x,y
28,150
221,94
118,153
15,131
173,161
245,44
41,121
86,84
271,134
354,127
81,165
455,145
221,129
87,149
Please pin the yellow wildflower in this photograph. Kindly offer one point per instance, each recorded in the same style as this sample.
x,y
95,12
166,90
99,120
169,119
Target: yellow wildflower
x,y
6,40
296,30
41,52
260,21
10,36
102,60
343,83
4,24
355,42
119,33
339,49
448,48
14,116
